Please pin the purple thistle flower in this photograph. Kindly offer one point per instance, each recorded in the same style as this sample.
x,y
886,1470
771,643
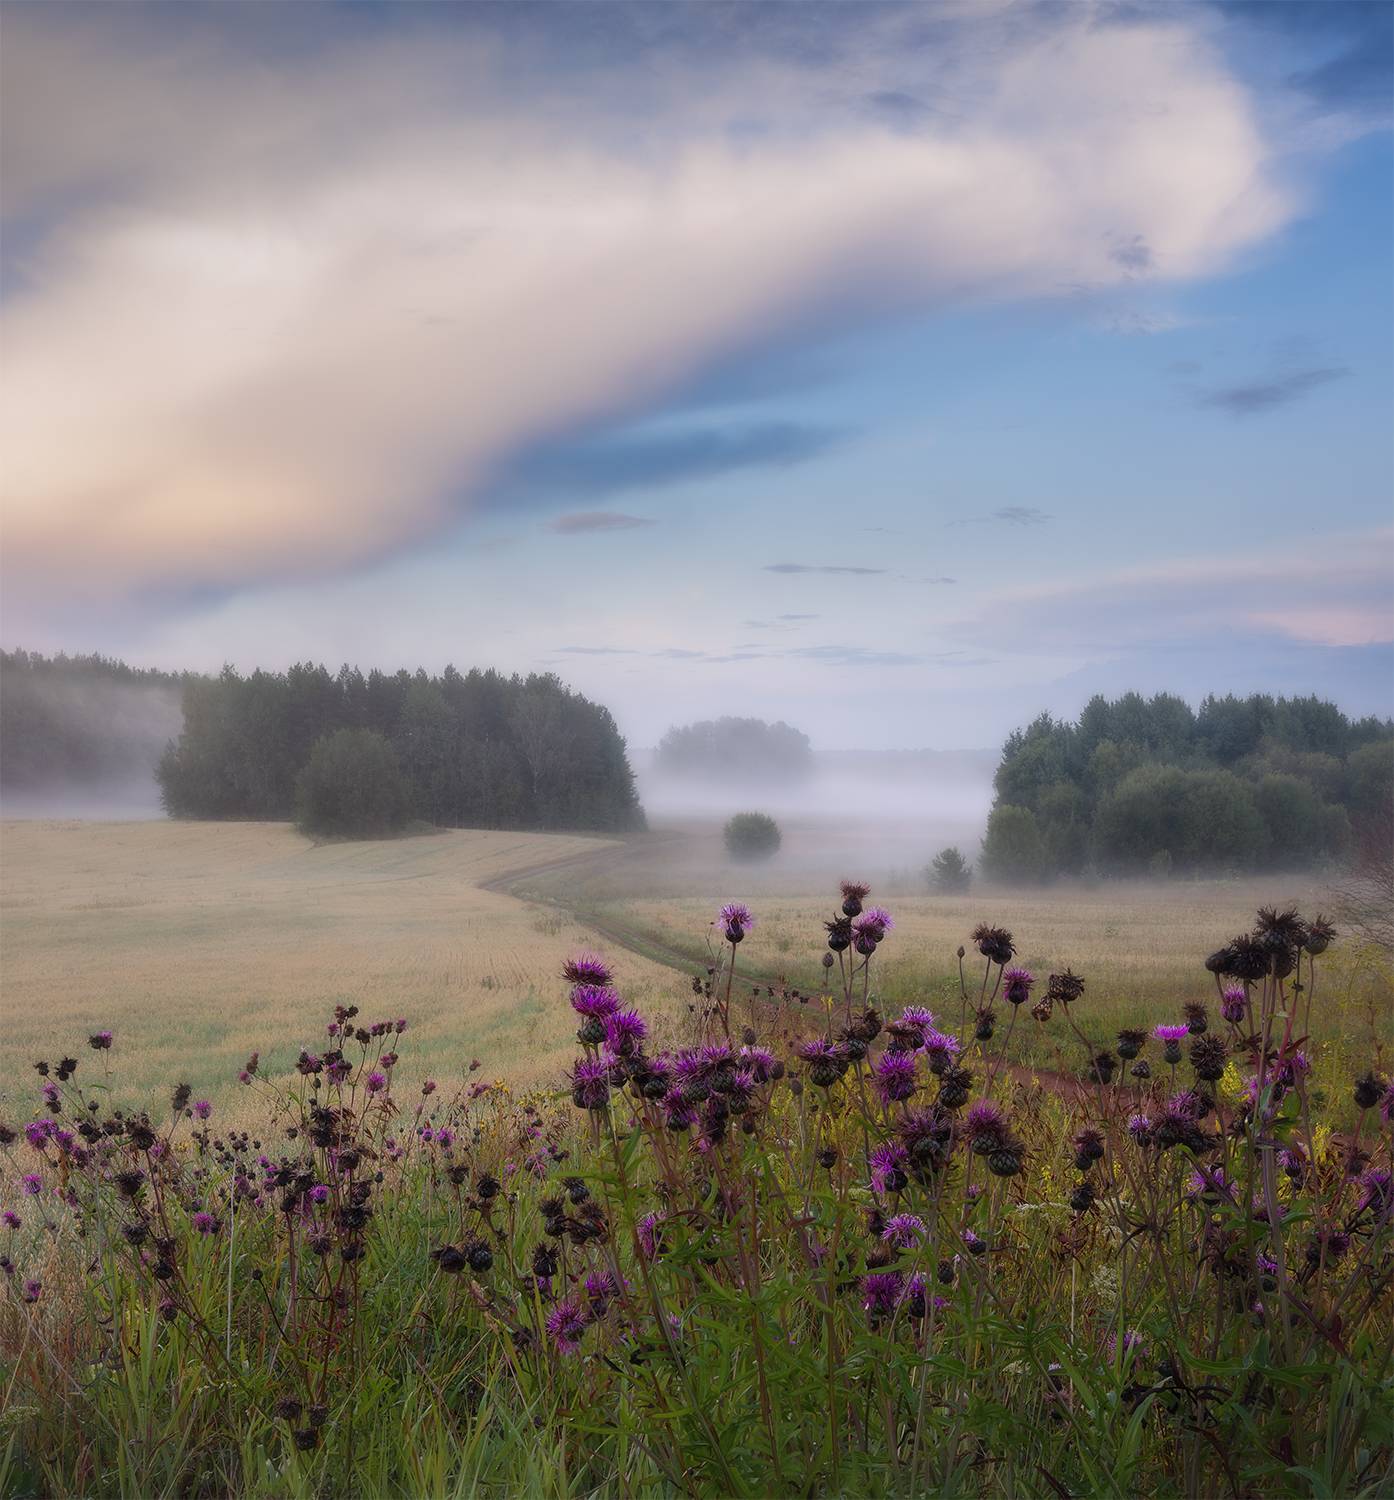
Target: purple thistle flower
x,y
338,1071
1234,1006
881,1291
893,1073
594,1001
940,1045
1016,986
39,1132
12,1219
204,1223
1378,1192
319,1194
1139,1127
376,1083
972,1243
649,1234
600,1286
625,1032
761,1062
32,1184
1166,1033
203,1109
588,969
1294,1066
32,1290
567,1323
985,1118
100,1041
889,1165
735,920
52,1097
1133,1346
590,1083
1187,1104
1209,1183
869,928
904,1231
399,1025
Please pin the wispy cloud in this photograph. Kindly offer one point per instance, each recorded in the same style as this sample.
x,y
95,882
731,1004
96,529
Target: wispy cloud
x,y
595,520
1254,397
1013,515
598,650
307,296
804,568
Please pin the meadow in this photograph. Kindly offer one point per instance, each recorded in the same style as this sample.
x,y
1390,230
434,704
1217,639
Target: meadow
x,y
828,1240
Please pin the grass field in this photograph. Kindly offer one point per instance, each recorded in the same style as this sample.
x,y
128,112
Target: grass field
x,y
198,943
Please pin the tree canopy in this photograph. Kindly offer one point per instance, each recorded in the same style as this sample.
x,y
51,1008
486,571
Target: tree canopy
x,y
734,748
1240,784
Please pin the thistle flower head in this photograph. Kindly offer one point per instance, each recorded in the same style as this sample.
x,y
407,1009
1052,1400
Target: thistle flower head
x,y
594,1001
1320,935
1065,988
940,1046
39,1132
1016,986
994,943
12,1219
761,1062
100,1041
904,1231
588,969
983,1120
625,1032
31,1183
567,1323
204,1223
590,1083
202,1109
1233,1006
881,1292
650,1234
1169,1033
889,1165
1378,1192
918,1017
893,1074
375,1083
735,920
874,923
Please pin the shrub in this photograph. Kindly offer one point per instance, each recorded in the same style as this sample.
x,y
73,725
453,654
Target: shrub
x,y
352,788
751,836
948,873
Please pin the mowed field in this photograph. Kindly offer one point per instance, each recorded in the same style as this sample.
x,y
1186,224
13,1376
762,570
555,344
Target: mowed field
x,y
198,943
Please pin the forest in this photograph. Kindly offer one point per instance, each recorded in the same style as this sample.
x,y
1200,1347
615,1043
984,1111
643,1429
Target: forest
x,y
478,750
1142,786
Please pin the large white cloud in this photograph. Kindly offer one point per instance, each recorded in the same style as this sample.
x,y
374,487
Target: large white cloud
x,y
305,309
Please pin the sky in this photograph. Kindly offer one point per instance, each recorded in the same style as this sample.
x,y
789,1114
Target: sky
x,y
898,371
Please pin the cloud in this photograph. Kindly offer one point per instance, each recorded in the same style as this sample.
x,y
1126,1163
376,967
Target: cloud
x,y
1252,398
799,617
607,465
598,650
1022,515
857,656
307,287
803,568
938,580
1335,591
595,520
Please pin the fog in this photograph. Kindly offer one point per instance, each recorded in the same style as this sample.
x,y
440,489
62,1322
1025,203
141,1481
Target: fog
x,y
108,799
883,815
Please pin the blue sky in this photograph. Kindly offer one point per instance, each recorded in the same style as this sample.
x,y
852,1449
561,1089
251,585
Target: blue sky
x,y
896,371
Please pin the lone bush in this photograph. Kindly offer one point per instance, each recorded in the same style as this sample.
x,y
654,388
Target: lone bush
x,y
352,788
751,836
949,873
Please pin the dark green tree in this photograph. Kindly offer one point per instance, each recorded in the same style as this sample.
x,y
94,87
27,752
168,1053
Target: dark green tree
x,y
352,788
949,873
1013,851
750,836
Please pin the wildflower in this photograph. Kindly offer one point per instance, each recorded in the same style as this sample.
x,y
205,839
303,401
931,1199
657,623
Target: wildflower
x,y
375,1083
881,1292
1210,1185
986,1023
1197,1017
203,1109
319,1195
7,1265
1249,960
625,1032
893,1073
1320,935
826,1063
904,1231
590,1084
100,1041
1065,988
985,1126
31,1183
587,969
12,1219
338,1071
1016,986
1208,1054
651,1240
1330,1243
1083,1197
594,1001
53,1098
763,1064
1234,1007
839,932
1292,1067
735,921
888,1168
994,943
33,1290
1293,1163
1221,962
854,892
1101,1068
567,1323
399,1025
972,1243
204,1223
870,928
941,1049
1133,1346
1170,1038
39,1132
1378,1194
428,1088
1140,1128
1089,1147
1369,1090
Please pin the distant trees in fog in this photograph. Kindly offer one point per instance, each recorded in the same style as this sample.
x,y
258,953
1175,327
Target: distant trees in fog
x,y
948,873
1142,786
352,788
475,751
734,749
751,836
71,719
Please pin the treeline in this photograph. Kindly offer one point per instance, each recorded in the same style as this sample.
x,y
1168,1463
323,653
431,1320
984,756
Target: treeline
x,y
1150,786
476,751
82,719
734,748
